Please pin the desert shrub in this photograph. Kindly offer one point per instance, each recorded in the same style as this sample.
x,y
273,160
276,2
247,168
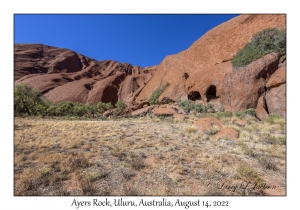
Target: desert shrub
x,y
155,95
79,109
221,108
220,115
101,107
262,43
91,109
250,111
272,118
199,108
187,105
41,107
121,106
268,163
26,99
210,108
64,108
242,114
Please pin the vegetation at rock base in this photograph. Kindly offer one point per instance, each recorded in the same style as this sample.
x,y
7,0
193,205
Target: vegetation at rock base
x,y
189,106
30,102
262,43
121,106
156,93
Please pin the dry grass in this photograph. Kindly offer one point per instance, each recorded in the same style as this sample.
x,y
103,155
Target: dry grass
x,y
146,156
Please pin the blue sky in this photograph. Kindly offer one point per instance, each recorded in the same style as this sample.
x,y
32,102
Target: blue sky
x,y
142,40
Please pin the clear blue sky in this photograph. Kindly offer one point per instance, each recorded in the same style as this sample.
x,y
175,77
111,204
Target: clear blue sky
x,y
143,40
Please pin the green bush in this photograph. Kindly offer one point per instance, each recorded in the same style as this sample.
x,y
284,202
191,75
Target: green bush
x,y
155,95
29,101
210,108
187,105
121,106
250,111
26,99
79,109
91,109
262,43
220,115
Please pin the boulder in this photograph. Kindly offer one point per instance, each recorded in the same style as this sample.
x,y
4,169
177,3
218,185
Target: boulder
x,y
277,79
260,110
205,124
242,88
276,101
241,123
143,111
109,112
227,133
164,111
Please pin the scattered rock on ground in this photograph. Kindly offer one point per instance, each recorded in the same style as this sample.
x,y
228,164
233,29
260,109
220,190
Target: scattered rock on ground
x,y
206,123
163,111
227,133
240,122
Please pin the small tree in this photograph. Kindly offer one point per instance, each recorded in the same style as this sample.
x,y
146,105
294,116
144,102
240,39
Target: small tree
x,y
26,99
91,109
79,109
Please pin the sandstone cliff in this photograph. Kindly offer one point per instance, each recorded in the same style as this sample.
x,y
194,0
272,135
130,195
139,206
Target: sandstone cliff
x,y
63,75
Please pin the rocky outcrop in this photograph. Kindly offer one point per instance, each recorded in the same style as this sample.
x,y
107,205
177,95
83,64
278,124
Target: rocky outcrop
x,y
198,72
260,110
277,79
63,75
143,111
242,88
276,101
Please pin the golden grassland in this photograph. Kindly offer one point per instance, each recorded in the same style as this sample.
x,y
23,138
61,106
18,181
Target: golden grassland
x,y
147,156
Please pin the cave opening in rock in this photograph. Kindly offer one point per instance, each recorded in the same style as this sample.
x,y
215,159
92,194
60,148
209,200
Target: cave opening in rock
x,y
211,93
194,95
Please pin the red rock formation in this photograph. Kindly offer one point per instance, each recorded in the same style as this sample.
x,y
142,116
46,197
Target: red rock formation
x,y
277,79
63,75
260,110
242,88
199,71
276,101
202,73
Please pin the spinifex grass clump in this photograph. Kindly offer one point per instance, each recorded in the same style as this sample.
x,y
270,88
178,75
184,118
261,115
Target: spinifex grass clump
x,y
262,43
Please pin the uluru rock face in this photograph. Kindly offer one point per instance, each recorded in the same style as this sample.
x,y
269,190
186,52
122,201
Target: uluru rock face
x,y
242,88
198,73
63,75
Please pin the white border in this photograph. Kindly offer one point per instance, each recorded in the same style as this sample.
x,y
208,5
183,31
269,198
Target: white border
x,y
8,8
